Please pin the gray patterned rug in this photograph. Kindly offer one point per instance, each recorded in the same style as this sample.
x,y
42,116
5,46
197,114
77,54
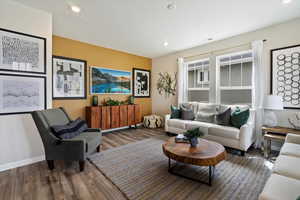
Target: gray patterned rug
x,y
139,170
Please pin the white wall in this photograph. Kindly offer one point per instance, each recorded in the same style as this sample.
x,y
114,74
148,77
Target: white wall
x,y
281,35
20,142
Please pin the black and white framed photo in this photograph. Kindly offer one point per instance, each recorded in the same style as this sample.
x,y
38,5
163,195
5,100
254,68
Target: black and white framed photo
x,y
141,83
22,94
285,75
20,52
69,78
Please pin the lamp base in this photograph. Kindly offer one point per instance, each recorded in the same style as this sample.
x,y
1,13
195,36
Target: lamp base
x,y
270,119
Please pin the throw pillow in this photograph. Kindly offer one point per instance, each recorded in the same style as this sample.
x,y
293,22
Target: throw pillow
x,y
224,118
239,118
175,112
187,113
70,130
205,117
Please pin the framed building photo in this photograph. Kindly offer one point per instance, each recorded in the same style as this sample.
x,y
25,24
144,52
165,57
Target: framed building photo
x,y
22,52
285,75
69,78
141,83
22,94
110,81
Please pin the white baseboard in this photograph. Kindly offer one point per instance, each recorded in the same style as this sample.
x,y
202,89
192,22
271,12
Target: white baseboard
x,y
120,128
21,163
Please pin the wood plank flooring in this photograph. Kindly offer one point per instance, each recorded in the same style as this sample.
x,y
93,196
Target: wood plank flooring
x,y
36,182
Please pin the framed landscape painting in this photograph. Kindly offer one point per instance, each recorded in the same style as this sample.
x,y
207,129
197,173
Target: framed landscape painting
x,y
20,52
69,78
141,83
285,75
109,81
22,94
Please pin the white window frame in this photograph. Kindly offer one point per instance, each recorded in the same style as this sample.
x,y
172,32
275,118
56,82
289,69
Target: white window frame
x,y
197,79
219,88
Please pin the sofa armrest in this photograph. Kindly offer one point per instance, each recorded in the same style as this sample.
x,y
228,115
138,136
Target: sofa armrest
x,y
167,117
292,138
246,136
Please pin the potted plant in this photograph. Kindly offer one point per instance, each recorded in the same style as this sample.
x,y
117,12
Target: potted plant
x,y
192,135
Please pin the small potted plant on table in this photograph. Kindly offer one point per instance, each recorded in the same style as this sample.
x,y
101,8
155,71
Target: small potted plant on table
x,y
192,135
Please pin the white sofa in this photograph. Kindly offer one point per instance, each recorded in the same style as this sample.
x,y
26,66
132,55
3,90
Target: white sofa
x,y
240,139
284,183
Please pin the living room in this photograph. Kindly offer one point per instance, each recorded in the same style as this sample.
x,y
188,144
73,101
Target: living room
x,y
149,99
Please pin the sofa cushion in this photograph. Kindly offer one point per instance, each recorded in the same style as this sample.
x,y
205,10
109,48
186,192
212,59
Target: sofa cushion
x,y
177,123
93,140
287,166
280,187
203,126
205,117
224,107
224,131
290,149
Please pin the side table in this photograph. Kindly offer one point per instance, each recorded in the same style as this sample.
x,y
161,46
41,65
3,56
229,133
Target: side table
x,y
275,134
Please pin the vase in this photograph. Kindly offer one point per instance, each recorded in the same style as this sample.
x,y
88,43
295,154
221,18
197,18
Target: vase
x,y
194,142
95,100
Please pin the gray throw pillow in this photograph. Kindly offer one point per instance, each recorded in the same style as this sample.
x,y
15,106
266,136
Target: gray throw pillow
x,y
205,117
224,118
187,113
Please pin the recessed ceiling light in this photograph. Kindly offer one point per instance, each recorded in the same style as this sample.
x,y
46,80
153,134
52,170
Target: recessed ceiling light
x,y
166,44
171,6
75,9
286,1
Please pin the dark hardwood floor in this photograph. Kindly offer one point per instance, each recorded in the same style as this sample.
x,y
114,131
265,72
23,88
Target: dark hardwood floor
x,y
36,181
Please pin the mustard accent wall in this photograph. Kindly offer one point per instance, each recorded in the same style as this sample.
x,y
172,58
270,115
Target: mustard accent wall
x,y
100,57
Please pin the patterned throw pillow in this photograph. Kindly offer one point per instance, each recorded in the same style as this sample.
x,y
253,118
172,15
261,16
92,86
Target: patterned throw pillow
x,y
70,130
175,112
239,118
224,118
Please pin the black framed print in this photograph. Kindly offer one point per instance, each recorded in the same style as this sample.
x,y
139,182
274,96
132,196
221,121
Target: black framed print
x,y
285,75
22,94
68,78
141,83
20,52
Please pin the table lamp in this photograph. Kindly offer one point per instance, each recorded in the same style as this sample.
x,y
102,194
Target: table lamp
x,y
271,103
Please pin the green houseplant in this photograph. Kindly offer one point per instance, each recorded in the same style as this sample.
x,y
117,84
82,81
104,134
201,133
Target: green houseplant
x,y
192,135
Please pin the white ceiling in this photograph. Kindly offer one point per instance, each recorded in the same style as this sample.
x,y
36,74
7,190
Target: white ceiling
x,y
142,26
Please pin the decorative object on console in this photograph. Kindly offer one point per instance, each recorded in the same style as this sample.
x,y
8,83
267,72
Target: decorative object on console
x,y
295,121
22,94
272,102
69,78
141,83
95,100
130,100
109,81
153,121
166,85
22,52
192,135
285,79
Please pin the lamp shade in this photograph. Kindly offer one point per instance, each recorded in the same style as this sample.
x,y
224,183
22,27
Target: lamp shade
x,y
273,102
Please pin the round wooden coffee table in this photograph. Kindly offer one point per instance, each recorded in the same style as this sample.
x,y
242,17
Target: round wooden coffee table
x,y
207,153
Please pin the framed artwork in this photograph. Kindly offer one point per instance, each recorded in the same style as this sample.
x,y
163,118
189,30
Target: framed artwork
x,y
68,78
141,83
285,75
109,81
22,94
20,52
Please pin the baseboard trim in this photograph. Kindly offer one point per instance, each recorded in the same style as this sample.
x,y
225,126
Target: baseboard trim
x,y
120,128
21,163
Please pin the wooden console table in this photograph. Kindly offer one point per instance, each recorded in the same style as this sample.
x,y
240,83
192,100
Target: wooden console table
x,y
275,134
108,117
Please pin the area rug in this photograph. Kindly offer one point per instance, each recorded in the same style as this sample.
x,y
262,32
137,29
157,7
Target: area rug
x,y
140,171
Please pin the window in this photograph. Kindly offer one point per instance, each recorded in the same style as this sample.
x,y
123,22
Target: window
x,y
235,75
198,80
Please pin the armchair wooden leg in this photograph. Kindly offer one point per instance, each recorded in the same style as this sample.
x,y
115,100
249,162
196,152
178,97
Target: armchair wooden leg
x,y
81,165
50,164
98,148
